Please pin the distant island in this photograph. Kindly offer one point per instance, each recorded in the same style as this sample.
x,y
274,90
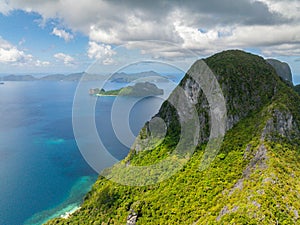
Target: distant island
x,y
120,77
137,90
127,78
54,77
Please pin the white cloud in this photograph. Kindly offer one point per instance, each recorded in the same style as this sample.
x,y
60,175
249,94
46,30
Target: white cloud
x,y
101,51
10,54
66,59
22,41
42,63
108,61
282,50
133,28
228,23
5,7
99,35
62,34
265,35
288,8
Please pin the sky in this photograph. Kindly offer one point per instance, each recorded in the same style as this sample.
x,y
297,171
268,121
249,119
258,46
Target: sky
x,y
67,36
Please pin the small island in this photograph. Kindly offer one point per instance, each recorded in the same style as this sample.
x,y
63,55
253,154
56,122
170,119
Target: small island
x,y
137,90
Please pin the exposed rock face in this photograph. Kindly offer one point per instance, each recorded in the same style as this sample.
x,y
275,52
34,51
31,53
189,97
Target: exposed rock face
x,y
247,81
258,161
132,218
197,97
282,123
225,211
282,69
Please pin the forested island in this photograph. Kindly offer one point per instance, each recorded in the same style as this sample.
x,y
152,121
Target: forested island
x,y
137,90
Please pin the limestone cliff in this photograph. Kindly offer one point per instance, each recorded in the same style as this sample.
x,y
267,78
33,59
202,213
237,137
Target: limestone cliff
x,y
283,69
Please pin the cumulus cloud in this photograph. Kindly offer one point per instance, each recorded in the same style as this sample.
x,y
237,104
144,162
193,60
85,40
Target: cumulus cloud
x,y
265,35
4,7
66,59
62,34
13,55
10,54
40,63
101,51
203,26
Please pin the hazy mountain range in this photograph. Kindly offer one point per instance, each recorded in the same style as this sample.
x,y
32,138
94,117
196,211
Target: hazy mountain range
x,y
117,77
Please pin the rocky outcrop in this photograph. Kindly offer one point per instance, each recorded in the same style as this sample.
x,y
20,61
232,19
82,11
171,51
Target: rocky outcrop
x,y
257,162
283,69
132,218
281,124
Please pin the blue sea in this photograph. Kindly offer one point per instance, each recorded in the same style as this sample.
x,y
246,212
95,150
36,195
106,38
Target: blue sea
x,y
42,172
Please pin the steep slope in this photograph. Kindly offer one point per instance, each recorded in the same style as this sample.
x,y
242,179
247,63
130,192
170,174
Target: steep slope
x,y
283,69
253,179
297,88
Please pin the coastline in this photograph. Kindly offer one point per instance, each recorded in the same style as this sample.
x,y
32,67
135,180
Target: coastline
x,y
67,214
69,206
99,95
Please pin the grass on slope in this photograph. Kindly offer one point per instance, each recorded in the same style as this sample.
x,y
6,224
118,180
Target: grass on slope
x,y
268,194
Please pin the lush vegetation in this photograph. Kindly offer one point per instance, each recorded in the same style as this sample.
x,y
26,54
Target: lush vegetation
x,y
111,92
254,178
297,88
137,90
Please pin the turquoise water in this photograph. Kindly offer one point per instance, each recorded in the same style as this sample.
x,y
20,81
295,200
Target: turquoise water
x,y
42,173
72,202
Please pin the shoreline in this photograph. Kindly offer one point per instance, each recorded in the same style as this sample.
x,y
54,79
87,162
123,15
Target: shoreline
x,y
67,214
99,95
71,204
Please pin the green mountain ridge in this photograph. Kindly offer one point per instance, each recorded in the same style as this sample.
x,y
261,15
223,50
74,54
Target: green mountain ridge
x,y
252,179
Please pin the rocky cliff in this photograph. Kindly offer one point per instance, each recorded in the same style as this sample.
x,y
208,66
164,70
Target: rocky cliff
x,y
248,82
283,69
